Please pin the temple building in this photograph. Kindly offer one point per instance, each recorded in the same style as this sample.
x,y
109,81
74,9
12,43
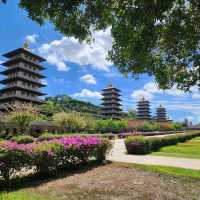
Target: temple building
x,y
161,114
143,110
111,102
23,78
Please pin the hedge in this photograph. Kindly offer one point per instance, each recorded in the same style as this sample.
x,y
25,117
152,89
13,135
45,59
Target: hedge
x,y
142,145
23,139
50,156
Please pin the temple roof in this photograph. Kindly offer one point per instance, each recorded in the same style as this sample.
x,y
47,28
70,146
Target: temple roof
x,y
18,59
110,86
22,50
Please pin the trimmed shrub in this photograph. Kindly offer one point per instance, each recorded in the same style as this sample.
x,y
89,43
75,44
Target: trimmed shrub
x,y
141,145
50,156
148,126
49,136
23,139
137,145
110,125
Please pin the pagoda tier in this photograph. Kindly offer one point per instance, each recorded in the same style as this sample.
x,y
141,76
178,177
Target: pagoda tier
x,y
143,110
23,81
111,102
161,114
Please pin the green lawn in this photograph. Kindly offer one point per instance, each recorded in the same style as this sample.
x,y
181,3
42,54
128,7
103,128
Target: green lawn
x,y
22,195
172,171
189,149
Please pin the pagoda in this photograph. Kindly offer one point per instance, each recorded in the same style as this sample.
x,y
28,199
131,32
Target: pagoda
x,y
111,102
143,110
161,114
23,78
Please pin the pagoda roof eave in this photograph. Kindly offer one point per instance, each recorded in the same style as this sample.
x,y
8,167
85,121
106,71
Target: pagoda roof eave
x,y
14,60
5,99
7,80
22,50
22,88
18,68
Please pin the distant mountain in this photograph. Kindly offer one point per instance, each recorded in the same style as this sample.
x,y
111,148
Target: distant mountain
x,y
64,103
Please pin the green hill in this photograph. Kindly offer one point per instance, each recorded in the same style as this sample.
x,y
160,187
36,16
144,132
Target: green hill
x,y
64,103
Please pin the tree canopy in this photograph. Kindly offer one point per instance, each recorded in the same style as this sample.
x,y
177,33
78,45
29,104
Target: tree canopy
x,y
160,38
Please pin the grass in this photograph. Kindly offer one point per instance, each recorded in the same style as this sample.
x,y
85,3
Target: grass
x,y
22,195
172,171
189,149
114,181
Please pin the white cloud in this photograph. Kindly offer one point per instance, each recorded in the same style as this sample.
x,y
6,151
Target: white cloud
x,y
83,54
45,82
88,94
54,60
88,78
139,94
32,38
195,92
151,88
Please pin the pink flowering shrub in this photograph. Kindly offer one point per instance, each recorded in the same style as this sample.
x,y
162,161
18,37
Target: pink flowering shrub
x,y
50,156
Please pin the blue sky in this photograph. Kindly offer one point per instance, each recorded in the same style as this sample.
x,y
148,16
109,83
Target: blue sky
x,y
81,70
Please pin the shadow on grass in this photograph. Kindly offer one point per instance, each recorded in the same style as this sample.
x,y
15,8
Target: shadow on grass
x,y
35,180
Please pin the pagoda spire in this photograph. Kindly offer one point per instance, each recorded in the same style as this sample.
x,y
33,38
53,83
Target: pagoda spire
x,y
26,45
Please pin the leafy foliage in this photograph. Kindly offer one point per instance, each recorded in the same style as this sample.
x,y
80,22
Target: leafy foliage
x,y
23,139
64,103
22,115
141,145
74,121
49,157
156,126
110,125
160,38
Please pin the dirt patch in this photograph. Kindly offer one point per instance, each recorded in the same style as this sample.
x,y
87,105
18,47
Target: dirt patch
x,y
120,182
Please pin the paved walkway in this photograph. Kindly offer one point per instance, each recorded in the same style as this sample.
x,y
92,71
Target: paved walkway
x,y
118,154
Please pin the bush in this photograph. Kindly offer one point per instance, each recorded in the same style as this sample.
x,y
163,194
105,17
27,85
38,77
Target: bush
x,y
137,145
148,126
110,125
141,145
75,122
156,126
49,136
23,139
177,126
50,156
22,115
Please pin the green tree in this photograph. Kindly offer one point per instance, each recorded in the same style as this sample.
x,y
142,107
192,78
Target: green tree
x,y
160,38
73,121
22,115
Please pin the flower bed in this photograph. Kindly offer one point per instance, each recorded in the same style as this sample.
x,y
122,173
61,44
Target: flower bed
x,y
50,156
141,145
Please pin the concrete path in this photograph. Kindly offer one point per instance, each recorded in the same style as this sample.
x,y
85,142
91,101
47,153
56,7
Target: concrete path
x,y
118,154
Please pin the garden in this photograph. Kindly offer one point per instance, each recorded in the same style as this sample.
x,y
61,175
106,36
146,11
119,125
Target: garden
x,y
176,145
57,165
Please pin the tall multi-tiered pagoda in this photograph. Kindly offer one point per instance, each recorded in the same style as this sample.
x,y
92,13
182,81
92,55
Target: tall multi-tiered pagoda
x,y
111,102
161,114
143,110
23,78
